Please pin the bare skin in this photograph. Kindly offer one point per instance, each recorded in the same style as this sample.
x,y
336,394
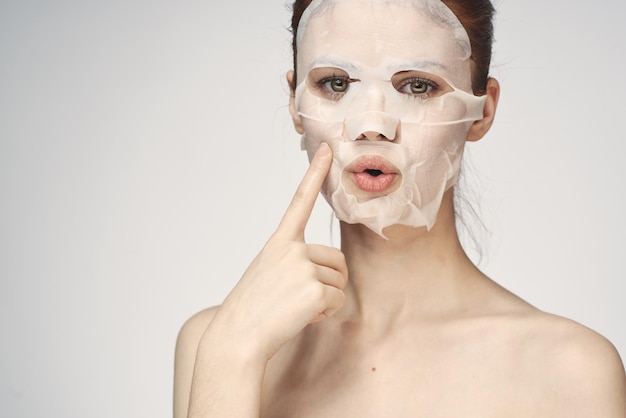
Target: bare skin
x,y
416,331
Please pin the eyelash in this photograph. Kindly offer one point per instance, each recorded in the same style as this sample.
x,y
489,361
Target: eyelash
x,y
326,90
431,87
322,85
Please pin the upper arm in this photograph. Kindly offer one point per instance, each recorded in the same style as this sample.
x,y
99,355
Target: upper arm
x,y
186,347
601,379
591,379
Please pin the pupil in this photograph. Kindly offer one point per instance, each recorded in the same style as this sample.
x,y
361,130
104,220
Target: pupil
x,y
338,85
418,87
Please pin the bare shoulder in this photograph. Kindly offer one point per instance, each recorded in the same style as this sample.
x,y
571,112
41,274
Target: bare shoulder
x,y
189,337
567,341
580,370
194,327
186,347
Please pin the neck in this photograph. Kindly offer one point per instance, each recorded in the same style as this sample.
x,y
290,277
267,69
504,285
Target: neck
x,y
414,272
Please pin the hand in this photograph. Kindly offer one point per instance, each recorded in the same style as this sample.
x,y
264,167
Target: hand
x,y
290,283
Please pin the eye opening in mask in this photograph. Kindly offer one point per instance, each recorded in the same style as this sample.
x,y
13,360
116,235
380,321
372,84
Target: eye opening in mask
x,y
329,82
420,84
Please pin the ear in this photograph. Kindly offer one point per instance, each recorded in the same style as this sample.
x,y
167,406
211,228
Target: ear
x,y
297,121
482,126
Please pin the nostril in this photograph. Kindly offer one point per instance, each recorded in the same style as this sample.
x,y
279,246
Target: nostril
x,y
373,135
372,125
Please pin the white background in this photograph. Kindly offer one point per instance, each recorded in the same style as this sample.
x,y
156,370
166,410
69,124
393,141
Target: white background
x,y
146,154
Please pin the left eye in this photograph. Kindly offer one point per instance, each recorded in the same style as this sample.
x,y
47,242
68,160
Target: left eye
x,y
416,86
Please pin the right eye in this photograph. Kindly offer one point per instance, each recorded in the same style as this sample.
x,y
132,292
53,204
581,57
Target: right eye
x,y
335,84
329,83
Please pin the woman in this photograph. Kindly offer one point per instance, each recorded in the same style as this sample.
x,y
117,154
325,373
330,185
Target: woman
x,y
399,323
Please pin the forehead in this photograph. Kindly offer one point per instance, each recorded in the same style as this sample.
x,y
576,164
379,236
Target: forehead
x,y
375,33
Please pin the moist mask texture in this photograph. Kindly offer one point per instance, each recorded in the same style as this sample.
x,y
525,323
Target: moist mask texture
x,y
387,84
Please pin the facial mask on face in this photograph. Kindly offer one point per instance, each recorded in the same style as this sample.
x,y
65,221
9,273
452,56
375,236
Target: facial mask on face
x,y
387,85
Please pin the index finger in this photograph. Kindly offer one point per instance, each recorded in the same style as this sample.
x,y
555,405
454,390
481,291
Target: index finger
x,y
297,214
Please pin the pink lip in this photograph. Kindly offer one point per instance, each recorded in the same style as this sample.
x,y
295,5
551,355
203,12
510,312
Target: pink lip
x,y
373,174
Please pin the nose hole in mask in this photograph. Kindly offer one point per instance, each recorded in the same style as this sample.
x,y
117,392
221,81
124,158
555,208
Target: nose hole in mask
x,y
373,136
372,125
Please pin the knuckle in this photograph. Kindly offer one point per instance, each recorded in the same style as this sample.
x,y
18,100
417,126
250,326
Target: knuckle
x,y
343,280
338,299
301,250
316,294
292,250
309,271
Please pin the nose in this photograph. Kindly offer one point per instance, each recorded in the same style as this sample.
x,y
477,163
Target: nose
x,y
372,125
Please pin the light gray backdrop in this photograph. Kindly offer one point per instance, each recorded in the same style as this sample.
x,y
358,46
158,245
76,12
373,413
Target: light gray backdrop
x,y
146,154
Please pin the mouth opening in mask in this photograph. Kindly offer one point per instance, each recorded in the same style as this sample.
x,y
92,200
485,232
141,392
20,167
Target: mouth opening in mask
x,y
373,172
371,176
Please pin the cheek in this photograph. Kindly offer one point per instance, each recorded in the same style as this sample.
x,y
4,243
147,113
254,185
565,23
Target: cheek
x,y
435,151
316,132
444,109
313,113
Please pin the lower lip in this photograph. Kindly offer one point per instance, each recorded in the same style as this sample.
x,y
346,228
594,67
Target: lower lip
x,y
371,184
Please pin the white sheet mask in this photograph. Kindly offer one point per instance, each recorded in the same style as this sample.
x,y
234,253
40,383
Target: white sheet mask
x,y
410,140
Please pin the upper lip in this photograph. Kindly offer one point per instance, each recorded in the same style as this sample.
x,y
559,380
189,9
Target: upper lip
x,y
372,162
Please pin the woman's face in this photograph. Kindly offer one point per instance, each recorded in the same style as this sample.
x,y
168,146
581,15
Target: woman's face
x,y
390,90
